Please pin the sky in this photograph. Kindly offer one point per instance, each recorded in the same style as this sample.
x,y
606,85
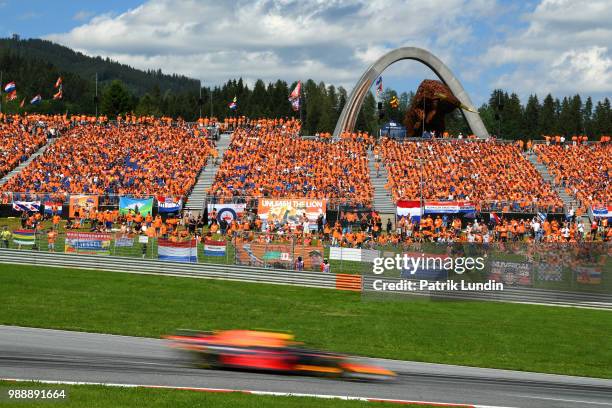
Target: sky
x,y
561,47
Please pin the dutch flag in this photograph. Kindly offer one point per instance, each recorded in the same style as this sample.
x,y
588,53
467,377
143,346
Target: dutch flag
x,y
177,251
36,100
214,248
10,87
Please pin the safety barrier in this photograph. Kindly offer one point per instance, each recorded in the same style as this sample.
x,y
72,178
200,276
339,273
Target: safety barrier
x,y
148,266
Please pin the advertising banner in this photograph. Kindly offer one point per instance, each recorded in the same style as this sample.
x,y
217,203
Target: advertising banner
x,y
227,212
169,204
82,204
511,273
278,256
291,211
90,243
142,206
449,207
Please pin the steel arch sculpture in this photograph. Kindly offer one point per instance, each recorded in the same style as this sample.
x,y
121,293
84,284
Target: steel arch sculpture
x,y
348,117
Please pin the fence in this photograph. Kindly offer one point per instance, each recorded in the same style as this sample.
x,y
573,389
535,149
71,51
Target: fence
x,y
585,266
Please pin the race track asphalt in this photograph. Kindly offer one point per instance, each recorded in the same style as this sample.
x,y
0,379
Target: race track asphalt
x,y
43,354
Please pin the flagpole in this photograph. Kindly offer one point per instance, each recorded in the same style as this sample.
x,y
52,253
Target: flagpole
x,y
200,100
96,95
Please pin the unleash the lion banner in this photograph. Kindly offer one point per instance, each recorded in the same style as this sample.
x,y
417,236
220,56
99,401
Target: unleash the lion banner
x,y
291,211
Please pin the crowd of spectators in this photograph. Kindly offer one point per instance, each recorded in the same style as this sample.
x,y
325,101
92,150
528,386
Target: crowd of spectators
x,y
21,136
485,172
139,157
584,170
271,160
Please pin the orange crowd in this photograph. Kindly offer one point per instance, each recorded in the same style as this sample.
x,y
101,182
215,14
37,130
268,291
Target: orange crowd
x,y
485,172
21,136
144,158
271,160
583,169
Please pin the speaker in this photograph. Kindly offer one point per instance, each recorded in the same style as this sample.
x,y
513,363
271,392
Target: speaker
x,y
380,106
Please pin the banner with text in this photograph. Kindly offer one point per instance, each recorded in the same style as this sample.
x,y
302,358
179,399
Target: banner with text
x,y
90,243
291,211
449,207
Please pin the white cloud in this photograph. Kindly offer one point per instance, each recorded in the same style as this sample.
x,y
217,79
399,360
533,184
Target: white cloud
x,y
566,48
331,41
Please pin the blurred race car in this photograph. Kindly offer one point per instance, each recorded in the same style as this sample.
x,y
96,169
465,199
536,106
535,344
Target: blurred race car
x,y
270,351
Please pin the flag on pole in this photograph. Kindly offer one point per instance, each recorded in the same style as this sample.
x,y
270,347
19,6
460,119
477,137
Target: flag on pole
x,y
22,104
10,87
58,94
12,96
379,85
234,103
36,100
294,97
58,83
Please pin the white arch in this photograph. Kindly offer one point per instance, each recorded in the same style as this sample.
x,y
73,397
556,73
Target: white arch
x,y
348,117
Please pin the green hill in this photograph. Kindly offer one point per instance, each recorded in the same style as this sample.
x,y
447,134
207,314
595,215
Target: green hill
x,y
67,60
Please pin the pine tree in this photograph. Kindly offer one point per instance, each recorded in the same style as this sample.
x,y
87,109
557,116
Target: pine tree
x,y
116,99
531,118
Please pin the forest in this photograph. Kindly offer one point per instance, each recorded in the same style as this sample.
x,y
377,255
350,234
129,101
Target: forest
x,y
34,65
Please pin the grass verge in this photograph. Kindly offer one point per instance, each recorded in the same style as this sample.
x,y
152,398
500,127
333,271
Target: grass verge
x,y
99,396
486,334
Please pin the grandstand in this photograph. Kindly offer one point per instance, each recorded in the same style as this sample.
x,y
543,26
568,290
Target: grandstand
x,y
582,170
275,162
494,175
361,179
100,158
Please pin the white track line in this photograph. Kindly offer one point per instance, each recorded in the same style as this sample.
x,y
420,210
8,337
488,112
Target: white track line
x,y
281,394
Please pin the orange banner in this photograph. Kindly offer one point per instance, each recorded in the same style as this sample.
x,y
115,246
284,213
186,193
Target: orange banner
x,y
291,211
278,256
83,204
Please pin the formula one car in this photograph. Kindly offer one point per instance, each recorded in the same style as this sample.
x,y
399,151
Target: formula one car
x,y
270,351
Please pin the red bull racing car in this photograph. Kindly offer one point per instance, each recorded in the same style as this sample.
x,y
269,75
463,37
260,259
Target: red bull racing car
x,y
270,351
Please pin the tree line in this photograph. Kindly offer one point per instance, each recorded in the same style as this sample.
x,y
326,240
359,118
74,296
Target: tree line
x,y
153,93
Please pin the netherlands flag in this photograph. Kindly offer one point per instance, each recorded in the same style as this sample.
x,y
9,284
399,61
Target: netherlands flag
x,y
410,208
10,87
177,251
36,100
214,248
234,104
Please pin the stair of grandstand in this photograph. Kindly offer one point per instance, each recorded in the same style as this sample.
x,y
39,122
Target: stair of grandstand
x,y
382,199
195,201
568,200
30,159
